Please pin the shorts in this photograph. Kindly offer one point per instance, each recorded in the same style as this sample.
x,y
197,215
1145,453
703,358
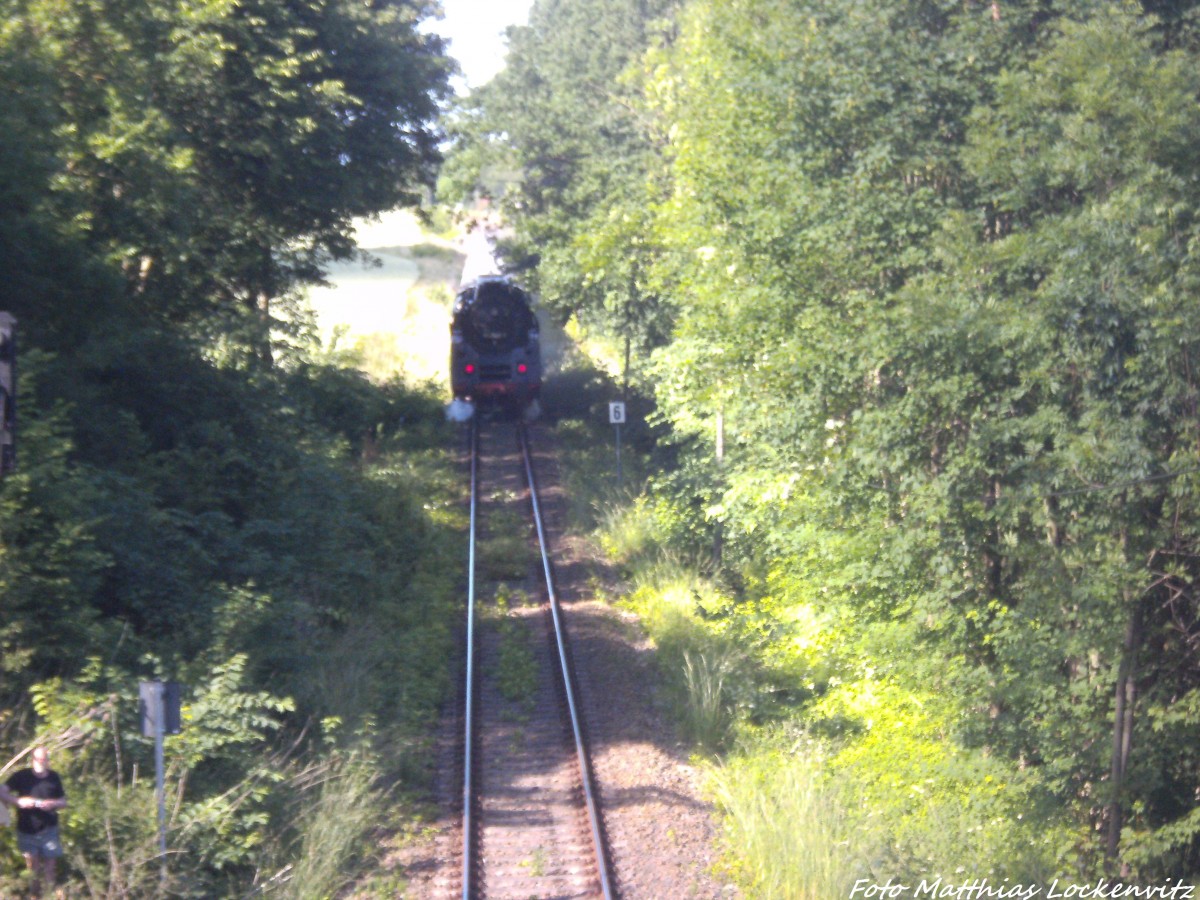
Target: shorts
x,y
45,843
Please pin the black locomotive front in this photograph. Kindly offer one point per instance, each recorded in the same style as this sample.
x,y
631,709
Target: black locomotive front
x,y
495,352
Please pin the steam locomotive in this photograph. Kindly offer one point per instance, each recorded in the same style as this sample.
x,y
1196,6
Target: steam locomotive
x,y
495,350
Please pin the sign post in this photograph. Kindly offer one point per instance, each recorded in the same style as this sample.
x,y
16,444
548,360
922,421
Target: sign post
x,y
616,417
159,708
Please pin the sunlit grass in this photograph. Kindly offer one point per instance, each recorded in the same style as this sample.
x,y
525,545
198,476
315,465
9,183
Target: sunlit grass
x,y
789,837
627,530
706,715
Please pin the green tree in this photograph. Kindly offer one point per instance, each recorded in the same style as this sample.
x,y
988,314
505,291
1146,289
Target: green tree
x,y
930,268
217,152
927,262
51,562
565,115
172,170
1089,173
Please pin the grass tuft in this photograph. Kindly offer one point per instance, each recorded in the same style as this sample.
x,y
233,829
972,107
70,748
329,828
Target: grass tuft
x,y
336,814
789,836
707,717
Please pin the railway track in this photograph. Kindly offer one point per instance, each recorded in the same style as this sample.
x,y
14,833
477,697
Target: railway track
x,y
531,825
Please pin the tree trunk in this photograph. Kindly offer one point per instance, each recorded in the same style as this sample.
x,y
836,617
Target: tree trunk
x,y
718,533
1123,717
625,374
262,349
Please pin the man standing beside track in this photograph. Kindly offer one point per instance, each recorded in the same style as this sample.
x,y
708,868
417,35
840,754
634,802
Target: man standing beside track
x,y
37,794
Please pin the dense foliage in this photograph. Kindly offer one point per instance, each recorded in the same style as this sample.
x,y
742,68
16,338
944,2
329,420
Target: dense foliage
x,y
930,276
565,114
193,499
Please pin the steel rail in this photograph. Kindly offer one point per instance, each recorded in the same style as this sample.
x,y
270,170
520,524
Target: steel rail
x,y
568,688
468,864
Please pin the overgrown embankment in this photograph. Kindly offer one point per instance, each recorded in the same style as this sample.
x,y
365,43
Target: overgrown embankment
x,y
203,493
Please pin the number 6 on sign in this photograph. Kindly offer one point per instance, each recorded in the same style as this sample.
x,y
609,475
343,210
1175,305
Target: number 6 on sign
x,y
616,413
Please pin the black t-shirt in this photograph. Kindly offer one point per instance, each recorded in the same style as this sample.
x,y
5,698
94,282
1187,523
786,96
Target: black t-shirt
x,y
26,783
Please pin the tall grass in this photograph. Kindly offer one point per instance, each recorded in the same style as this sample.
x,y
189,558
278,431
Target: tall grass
x,y
334,819
627,531
705,669
789,835
707,716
